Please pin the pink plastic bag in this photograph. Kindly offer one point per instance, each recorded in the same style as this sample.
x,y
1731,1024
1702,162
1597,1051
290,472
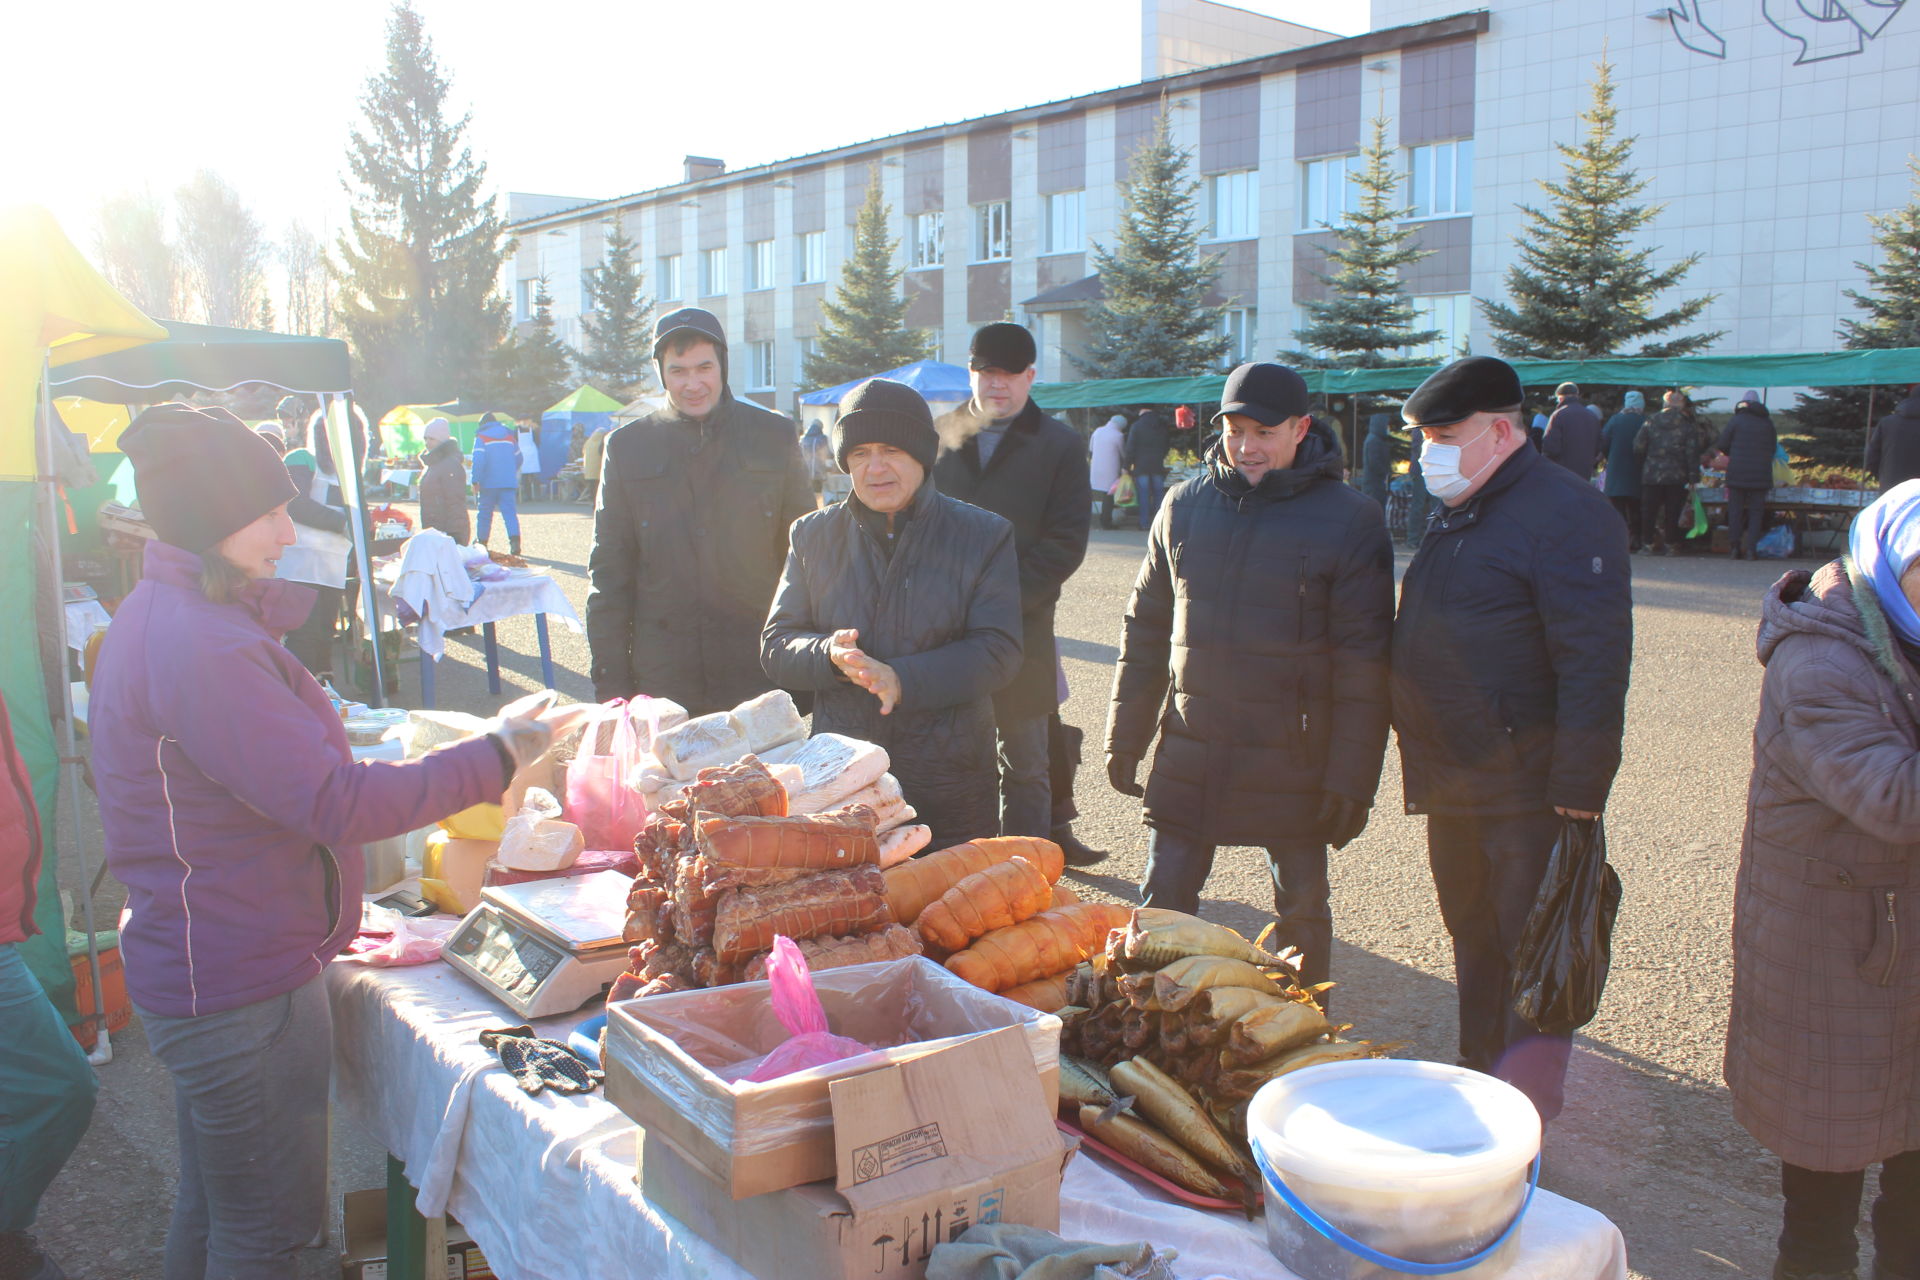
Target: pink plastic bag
x,y
797,1006
602,799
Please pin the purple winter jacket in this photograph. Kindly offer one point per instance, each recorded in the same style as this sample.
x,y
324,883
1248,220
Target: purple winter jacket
x,y
232,807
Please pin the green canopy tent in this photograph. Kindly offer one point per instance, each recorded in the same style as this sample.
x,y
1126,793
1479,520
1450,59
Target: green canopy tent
x,y
588,408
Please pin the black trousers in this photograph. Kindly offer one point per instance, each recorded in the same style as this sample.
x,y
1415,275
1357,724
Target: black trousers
x,y
1746,518
1106,507
1629,509
1823,1209
1487,872
312,640
1063,762
1660,508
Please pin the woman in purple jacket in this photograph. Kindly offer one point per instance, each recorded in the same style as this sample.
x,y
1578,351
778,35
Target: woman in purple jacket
x,y
234,814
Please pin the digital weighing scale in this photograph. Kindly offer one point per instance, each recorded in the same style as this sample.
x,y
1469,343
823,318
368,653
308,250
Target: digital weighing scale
x,y
546,946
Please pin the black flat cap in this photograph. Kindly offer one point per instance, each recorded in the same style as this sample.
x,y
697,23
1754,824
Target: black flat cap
x,y
1477,384
1268,393
1003,346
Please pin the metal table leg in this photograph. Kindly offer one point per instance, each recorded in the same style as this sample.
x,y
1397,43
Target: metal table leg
x,y
493,658
546,648
427,664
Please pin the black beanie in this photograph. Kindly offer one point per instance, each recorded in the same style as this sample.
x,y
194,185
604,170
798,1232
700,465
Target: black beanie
x,y
202,474
1002,345
881,411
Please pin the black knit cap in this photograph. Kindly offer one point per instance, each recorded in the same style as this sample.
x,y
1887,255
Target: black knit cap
x,y
202,474
1002,345
1266,392
882,411
1476,384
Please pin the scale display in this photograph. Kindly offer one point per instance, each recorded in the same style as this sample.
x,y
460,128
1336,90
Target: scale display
x,y
546,946
512,958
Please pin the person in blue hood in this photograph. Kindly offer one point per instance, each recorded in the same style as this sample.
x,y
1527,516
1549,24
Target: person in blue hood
x,y
496,478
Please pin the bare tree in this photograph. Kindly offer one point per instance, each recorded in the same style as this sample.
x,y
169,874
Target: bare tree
x,y
309,306
223,251
134,252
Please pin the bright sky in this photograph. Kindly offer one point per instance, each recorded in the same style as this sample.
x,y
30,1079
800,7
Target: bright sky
x,y
569,97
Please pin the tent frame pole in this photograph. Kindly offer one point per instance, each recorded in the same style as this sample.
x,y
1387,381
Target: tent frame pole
x,y
70,758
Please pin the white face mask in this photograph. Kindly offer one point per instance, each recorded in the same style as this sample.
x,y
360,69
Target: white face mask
x,y
1440,468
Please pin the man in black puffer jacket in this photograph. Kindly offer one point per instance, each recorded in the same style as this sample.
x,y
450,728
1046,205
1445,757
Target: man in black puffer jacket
x,y
1893,454
1266,600
901,607
1510,661
1749,441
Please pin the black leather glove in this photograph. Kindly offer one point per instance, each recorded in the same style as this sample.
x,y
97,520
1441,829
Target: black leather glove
x,y
1341,819
539,1064
1120,772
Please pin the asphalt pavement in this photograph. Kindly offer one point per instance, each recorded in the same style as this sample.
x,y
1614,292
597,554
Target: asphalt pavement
x,y
1647,1137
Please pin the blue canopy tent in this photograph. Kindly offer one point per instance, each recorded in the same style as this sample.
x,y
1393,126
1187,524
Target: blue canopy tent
x,y
588,408
936,383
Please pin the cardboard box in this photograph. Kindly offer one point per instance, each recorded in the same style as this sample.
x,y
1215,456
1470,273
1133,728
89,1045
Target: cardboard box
x,y
664,1053
923,1150
364,1252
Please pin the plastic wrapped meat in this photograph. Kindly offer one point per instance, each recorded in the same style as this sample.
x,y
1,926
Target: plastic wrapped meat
x,y
743,789
770,720
894,942
815,842
832,902
901,843
695,898
882,795
686,749
833,768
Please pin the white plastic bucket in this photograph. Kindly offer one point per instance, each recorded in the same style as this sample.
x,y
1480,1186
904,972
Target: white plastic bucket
x,y
1415,1162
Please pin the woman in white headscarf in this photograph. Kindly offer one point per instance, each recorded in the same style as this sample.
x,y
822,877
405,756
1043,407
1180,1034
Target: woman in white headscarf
x,y
1825,1024
1108,441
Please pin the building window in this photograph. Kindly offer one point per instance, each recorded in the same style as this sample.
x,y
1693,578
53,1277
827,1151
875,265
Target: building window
x,y
523,292
1326,191
992,232
1452,315
586,297
1063,220
804,349
1233,201
813,257
1442,179
760,266
1237,324
929,239
667,277
759,366
713,273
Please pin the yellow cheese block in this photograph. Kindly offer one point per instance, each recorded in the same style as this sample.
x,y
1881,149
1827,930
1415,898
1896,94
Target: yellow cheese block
x,y
479,822
453,870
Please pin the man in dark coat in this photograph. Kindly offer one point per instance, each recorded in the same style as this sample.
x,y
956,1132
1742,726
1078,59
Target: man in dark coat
x,y
1376,458
1145,456
1623,464
690,532
1510,661
1893,452
443,485
901,607
1572,437
1419,501
1000,452
1266,602
1669,448
1749,441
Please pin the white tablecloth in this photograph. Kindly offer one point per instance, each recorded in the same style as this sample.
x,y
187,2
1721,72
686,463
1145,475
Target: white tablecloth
x,y
546,1185
84,617
522,591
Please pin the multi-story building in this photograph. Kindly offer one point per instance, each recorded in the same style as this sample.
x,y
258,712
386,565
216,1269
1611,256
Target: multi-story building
x,y
1768,133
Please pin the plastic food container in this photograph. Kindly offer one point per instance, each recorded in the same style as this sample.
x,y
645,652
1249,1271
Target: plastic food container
x,y
1415,1162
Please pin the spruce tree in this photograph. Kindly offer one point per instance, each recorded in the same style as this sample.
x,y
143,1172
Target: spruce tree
x,y
1368,320
1834,422
863,329
418,267
614,355
1579,290
1154,321
532,370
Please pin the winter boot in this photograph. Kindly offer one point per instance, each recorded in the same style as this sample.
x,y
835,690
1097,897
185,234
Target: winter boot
x,y
21,1258
1076,851
1784,1270
513,543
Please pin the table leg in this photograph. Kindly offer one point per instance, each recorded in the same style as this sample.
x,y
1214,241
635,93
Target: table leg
x,y
493,658
406,1229
427,664
546,648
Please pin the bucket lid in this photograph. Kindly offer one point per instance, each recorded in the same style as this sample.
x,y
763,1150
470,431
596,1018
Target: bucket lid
x,y
1384,1123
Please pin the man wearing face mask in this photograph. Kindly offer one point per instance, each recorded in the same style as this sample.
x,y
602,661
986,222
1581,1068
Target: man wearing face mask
x,y
1266,602
1510,660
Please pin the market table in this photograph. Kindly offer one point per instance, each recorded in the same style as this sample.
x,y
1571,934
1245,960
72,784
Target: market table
x,y
546,1185
525,591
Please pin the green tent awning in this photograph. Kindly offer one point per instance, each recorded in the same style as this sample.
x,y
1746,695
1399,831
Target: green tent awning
x,y
209,358
1815,369
586,400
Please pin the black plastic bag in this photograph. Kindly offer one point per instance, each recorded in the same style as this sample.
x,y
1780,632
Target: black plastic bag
x,y
1560,968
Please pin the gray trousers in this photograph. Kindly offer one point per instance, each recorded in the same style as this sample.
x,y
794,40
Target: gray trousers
x,y
1026,789
250,1099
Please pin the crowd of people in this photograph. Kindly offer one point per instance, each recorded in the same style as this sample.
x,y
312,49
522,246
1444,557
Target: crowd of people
x,y
1262,662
